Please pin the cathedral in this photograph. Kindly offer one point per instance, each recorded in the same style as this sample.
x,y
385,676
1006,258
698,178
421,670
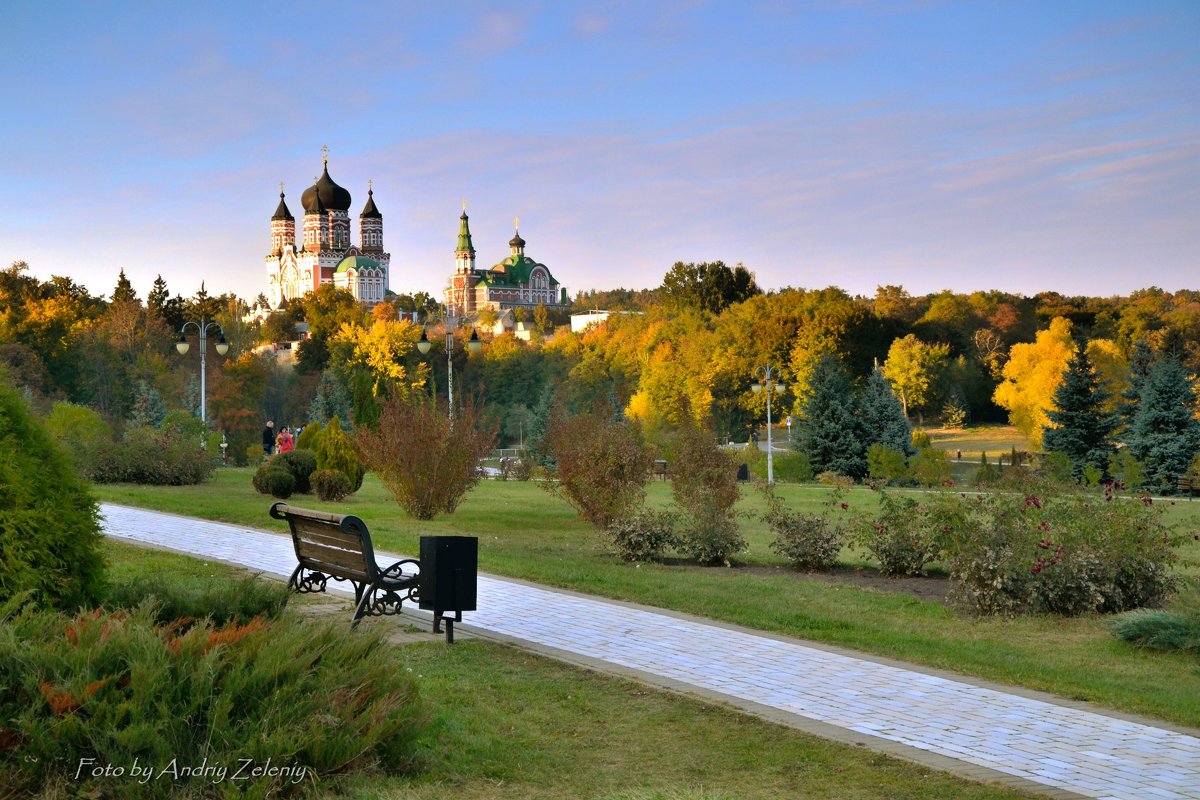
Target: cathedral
x,y
516,282
324,253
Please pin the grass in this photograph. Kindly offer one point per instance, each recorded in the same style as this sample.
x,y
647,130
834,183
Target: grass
x,y
510,724
526,533
995,440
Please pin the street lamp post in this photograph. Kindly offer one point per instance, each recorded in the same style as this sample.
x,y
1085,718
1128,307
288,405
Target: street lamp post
x,y
473,345
767,379
182,346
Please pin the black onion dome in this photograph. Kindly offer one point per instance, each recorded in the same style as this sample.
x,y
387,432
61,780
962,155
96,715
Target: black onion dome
x,y
282,212
369,210
516,241
325,195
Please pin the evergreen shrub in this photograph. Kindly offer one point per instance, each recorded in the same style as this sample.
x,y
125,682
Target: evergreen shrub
x,y
307,440
643,535
1158,630
302,464
335,450
987,474
330,485
274,480
221,602
49,524
886,464
119,686
81,432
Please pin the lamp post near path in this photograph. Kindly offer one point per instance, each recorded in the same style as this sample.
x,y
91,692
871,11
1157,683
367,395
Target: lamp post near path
x,y
767,380
182,346
473,345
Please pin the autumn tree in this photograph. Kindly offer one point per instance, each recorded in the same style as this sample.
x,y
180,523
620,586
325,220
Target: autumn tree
x,y
1031,376
912,367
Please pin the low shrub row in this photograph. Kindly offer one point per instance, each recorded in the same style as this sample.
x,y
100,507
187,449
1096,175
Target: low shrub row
x,y
267,707
149,456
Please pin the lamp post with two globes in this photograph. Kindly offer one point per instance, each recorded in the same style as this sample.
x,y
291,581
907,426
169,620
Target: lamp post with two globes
x,y
182,346
767,379
473,345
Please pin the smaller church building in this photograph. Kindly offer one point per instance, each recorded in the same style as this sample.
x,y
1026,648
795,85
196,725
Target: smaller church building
x,y
516,282
324,253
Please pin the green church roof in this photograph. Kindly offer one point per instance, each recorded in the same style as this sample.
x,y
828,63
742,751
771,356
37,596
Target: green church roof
x,y
356,263
515,271
464,235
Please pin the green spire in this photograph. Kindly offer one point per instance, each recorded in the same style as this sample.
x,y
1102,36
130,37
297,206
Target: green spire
x,y
464,234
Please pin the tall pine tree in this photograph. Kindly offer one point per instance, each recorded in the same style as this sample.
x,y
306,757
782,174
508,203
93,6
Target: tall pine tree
x,y
832,433
1083,430
123,292
1165,435
1140,361
883,417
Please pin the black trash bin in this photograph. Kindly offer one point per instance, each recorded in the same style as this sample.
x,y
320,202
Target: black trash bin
x,y
743,472
447,584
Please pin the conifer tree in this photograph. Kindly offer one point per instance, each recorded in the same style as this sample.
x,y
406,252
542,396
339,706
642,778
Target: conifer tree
x,y
330,400
883,416
156,300
123,292
149,410
1140,362
1082,430
1165,435
832,433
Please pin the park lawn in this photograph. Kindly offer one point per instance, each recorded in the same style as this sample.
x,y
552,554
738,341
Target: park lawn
x,y
995,440
527,533
511,724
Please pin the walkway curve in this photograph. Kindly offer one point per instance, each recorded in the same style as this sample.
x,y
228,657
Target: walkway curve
x,y
965,726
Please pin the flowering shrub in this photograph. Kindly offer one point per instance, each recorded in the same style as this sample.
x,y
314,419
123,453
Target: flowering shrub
x,y
807,541
1064,553
643,535
907,533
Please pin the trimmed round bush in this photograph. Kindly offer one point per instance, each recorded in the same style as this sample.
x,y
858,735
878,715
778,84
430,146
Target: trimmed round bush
x,y
274,480
49,524
330,485
302,464
335,450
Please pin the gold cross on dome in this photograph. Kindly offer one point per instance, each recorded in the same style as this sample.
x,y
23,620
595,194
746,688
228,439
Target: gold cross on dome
x,y
281,187
325,154
516,223
464,204
370,185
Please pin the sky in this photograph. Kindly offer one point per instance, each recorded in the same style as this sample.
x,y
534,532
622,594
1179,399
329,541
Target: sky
x,y
1020,146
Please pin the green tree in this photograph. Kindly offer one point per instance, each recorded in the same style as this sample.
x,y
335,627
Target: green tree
x,y
831,433
1083,429
149,410
331,400
912,367
1141,359
708,286
883,418
1166,435
123,293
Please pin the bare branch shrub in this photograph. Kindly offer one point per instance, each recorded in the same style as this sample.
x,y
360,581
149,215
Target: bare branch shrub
x,y
425,461
603,465
704,484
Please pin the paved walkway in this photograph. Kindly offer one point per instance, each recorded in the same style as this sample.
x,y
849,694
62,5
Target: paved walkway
x,y
1055,747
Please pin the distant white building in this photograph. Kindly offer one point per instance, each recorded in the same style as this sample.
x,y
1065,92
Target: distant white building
x,y
586,319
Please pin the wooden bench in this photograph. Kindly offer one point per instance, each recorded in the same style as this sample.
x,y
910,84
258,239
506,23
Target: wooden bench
x,y
339,546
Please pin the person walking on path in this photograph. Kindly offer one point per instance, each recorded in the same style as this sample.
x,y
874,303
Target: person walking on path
x,y
268,438
286,443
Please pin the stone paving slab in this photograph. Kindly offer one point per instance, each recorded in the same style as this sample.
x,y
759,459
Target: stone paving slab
x,y
1056,747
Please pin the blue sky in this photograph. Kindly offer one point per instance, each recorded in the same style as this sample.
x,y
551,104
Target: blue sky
x,y
1009,145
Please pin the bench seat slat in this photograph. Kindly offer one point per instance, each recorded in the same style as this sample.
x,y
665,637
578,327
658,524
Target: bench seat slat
x,y
345,559
329,534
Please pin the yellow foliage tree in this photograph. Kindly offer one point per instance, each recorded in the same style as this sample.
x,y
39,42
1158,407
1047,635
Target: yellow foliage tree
x,y
1031,376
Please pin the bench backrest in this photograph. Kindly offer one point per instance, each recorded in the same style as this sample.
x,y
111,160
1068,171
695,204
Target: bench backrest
x,y
335,544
